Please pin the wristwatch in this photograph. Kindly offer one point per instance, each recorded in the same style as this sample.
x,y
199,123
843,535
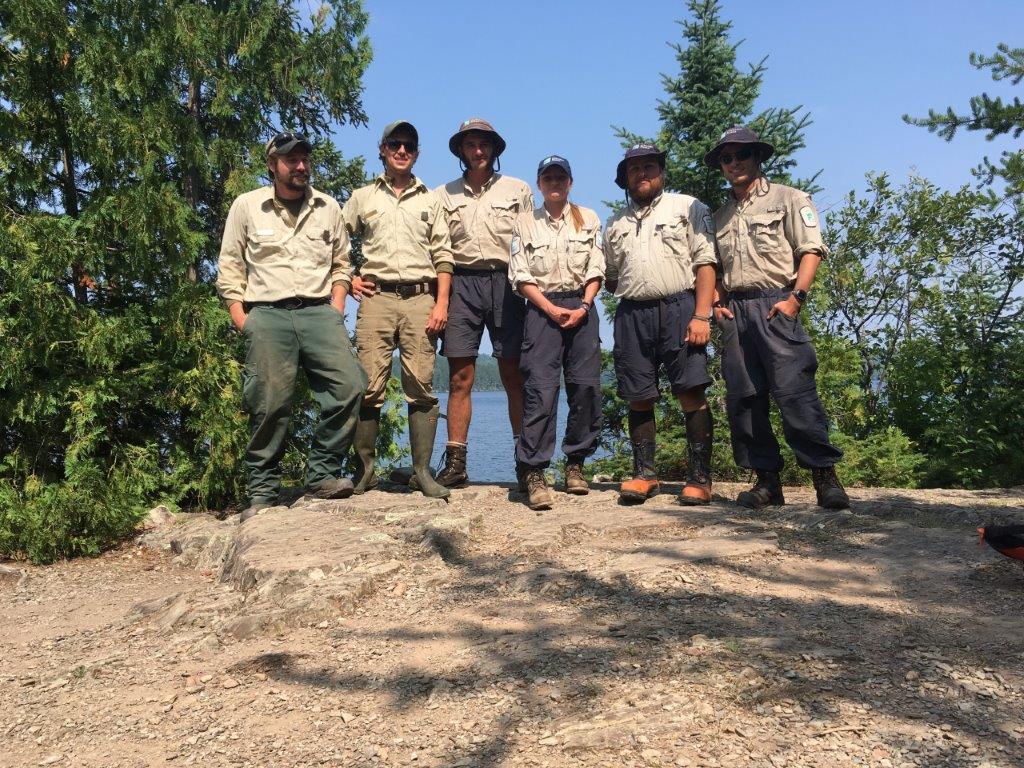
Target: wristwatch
x,y
588,304
800,296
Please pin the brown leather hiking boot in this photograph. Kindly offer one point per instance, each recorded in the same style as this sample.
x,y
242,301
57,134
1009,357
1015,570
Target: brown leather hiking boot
x,y
645,482
831,494
454,473
767,492
575,482
537,488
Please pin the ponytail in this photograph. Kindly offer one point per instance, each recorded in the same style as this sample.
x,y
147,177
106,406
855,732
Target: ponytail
x,y
577,217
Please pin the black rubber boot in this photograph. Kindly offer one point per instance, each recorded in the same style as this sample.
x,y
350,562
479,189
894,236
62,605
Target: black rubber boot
x,y
364,445
422,430
831,494
453,475
767,491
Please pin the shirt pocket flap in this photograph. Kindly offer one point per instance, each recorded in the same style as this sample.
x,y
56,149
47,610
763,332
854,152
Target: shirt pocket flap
x,y
765,219
454,207
505,207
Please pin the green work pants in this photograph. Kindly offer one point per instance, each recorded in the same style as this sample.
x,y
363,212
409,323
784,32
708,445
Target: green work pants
x,y
277,343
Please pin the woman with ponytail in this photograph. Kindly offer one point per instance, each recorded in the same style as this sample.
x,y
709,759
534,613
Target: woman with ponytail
x,y
557,264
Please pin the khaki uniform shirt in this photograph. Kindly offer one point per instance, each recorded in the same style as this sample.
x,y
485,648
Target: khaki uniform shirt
x,y
481,225
267,254
761,240
552,255
654,252
405,239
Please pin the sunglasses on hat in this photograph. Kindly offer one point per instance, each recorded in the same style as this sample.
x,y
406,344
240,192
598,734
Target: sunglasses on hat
x,y
741,155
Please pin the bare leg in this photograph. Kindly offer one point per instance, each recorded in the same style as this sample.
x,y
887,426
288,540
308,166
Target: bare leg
x,y
461,373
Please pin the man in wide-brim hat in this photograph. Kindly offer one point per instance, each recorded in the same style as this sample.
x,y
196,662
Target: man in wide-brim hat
x,y
481,207
660,263
770,245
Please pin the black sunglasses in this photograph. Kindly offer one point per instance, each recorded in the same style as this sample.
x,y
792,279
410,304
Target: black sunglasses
x,y
741,155
395,144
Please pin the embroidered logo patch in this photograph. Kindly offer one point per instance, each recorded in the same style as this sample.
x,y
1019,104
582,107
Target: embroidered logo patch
x,y
809,217
599,238
515,245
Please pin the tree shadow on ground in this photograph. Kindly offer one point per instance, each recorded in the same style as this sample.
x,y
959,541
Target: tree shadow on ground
x,y
593,632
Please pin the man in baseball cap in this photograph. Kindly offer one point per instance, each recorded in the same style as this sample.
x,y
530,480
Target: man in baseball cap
x,y
405,279
770,246
283,275
660,253
481,207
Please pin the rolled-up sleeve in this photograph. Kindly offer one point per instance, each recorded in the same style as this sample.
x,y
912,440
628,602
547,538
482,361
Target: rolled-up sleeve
x,y
341,255
231,274
518,264
611,261
440,239
803,227
703,250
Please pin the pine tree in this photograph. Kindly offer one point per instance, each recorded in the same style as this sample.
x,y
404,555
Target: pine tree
x,y
709,95
991,115
130,127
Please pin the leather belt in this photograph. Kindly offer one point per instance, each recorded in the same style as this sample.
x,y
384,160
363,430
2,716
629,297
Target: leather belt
x,y
405,290
294,302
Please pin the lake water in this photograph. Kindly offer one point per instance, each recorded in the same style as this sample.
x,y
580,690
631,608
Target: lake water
x,y
490,455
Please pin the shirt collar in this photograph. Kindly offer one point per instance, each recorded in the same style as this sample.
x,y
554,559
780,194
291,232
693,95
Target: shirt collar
x,y
383,181
487,184
642,212
759,189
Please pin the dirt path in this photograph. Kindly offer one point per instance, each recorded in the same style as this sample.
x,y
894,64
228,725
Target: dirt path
x,y
389,631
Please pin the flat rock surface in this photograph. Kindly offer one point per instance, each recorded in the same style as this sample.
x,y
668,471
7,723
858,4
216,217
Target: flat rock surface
x,y
393,630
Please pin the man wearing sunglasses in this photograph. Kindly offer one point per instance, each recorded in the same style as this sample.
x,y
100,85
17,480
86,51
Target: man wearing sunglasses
x,y
660,263
283,275
481,207
404,284
769,243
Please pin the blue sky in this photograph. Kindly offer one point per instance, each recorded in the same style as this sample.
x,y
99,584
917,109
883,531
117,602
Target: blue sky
x,y
553,77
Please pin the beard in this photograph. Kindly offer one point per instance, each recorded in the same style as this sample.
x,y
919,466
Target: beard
x,y
297,182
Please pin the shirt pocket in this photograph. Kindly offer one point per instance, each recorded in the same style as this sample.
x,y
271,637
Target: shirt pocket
x,y
316,246
675,237
263,245
540,255
581,244
503,216
766,231
455,214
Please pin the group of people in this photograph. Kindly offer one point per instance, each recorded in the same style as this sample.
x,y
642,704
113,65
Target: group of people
x,y
474,254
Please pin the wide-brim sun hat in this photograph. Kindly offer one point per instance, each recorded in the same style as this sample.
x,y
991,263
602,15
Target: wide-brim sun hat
x,y
475,124
643,149
738,134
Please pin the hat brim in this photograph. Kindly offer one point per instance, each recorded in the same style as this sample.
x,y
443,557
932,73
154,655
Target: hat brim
x,y
620,169
402,124
290,147
455,142
764,151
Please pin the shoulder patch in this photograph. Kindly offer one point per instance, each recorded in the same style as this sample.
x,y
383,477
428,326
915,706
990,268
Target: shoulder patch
x,y
599,238
810,218
516,244
709,222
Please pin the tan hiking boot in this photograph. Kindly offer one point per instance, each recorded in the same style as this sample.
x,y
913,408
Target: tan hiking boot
x,y
575,482
539,497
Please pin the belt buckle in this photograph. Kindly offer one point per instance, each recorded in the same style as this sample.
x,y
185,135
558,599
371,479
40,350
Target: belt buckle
x,y
406,290
293,303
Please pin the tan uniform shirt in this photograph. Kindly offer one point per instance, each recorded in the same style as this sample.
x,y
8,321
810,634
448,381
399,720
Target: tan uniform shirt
x,y
481,225
552,255
761,240
654,252
405,239
267,254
